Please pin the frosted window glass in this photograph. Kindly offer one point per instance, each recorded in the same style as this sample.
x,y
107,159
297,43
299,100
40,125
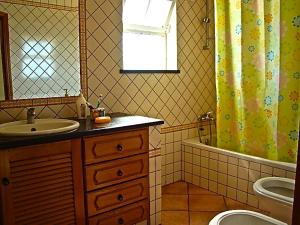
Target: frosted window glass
x,y
150,35
134,11
158,12
141,56
146,12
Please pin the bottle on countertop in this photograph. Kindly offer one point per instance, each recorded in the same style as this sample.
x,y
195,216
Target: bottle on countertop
x,y
82,109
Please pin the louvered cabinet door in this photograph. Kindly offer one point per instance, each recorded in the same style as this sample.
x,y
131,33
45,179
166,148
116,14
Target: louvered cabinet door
x,y
42,184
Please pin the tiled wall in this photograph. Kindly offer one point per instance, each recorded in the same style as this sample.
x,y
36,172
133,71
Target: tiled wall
x,y
176,98
44,58
51,111
226,173
155,174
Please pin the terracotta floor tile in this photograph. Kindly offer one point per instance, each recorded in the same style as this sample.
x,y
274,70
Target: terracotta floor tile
x,y
206,203
197,208
175,218
195,190
174,202
201,218
231,204
178,188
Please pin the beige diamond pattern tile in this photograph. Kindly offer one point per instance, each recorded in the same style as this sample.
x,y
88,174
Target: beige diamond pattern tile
x,y
176,98
53,111
189,88
154,137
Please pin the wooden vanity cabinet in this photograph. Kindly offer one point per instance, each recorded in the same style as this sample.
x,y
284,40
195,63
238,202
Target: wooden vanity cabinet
x,y
42,184
50,184
117,178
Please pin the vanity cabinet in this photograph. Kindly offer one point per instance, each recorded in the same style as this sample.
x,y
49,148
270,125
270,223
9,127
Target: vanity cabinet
x,y
95,180
117,178
42,184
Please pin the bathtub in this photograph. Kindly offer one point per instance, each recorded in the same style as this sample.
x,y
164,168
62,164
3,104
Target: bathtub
x,y
228,173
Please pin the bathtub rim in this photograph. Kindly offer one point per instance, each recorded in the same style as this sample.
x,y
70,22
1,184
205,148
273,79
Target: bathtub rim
x,y
194,142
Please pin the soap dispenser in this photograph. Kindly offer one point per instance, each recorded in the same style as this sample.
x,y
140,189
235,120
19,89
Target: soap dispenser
x,y
81,106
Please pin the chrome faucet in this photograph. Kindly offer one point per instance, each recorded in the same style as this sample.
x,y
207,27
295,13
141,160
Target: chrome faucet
x,y
206,117
30,115
203,120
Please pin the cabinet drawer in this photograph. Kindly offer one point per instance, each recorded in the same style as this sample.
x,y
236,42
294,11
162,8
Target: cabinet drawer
x,y
128,215
117,171
116,196
108,147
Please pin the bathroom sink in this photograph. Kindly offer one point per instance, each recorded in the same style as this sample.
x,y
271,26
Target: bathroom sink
x,y
39,127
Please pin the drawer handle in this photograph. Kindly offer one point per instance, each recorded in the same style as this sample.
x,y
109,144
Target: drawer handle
x,y
120,173
120,197
119,148
5,181
120,221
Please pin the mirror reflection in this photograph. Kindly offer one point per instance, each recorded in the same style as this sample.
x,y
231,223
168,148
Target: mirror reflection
x,y
44,49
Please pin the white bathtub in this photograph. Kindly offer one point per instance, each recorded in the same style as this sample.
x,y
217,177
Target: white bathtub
x,y
228,173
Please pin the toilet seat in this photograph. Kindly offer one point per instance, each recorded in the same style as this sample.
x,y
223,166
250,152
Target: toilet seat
x,y
243,217
269,187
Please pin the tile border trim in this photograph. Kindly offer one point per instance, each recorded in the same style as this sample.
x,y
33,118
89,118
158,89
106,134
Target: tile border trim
x,y
41,5
171,129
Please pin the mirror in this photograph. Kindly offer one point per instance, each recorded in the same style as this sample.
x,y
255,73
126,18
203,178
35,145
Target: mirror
x,y
44,49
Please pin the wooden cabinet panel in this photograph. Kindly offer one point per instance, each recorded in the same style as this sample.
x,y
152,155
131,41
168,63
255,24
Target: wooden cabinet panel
x,y
42,184
127,215
108,147
117,171
113,197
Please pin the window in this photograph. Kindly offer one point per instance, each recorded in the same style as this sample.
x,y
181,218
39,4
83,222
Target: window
x,y
149,35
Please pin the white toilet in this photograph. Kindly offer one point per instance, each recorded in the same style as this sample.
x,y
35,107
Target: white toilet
x,y
276,196
243,217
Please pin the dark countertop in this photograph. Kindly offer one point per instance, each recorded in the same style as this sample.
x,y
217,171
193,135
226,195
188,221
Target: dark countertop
x,y
120,122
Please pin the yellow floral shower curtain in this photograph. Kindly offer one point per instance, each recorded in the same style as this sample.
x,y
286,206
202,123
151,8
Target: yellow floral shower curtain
x,y
258,77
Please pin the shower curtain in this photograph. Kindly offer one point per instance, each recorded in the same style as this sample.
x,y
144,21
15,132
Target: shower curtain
x,y
258,77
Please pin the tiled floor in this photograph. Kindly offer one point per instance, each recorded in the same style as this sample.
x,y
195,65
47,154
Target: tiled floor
x,y
187,204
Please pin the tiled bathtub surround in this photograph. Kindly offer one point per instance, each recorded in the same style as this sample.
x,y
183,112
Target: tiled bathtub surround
x,y
171,167
228,173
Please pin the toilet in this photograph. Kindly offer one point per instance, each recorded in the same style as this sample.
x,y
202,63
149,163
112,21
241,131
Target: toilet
x,y
243,217
276,196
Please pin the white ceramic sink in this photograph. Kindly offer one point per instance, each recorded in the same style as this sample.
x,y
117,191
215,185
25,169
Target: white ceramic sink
x,y
40,127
